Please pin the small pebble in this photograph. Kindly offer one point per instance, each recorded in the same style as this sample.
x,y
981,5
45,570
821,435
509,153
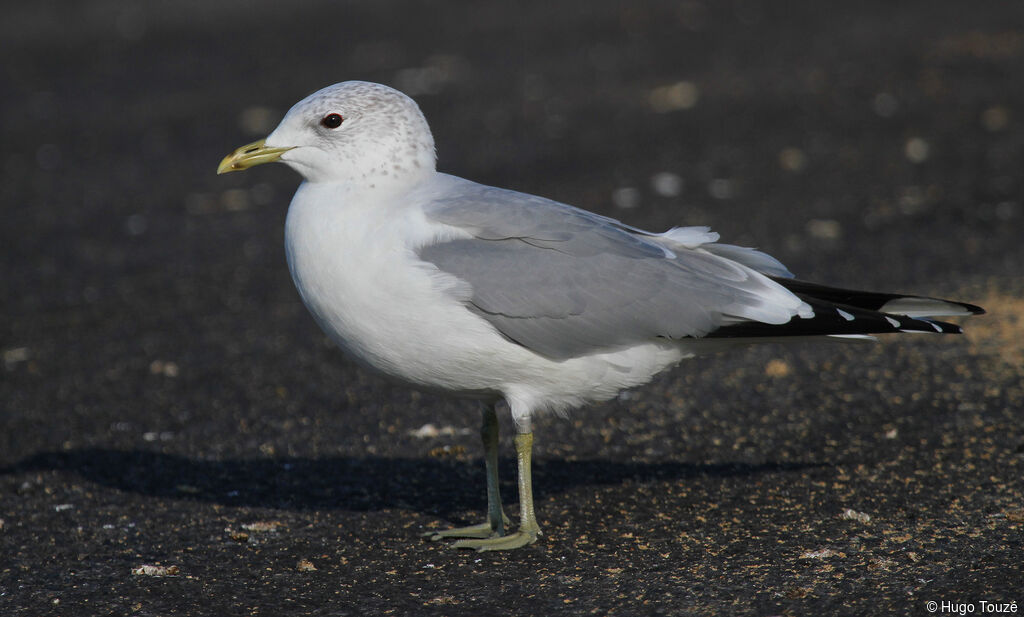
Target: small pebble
x,y
792,159
825,229
824,553
626,197
667,184
917,150
674,97
851,514
995,118
263,526
148,570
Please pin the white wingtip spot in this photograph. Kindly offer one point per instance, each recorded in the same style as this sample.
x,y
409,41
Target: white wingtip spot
x,y
845,315
893,322
853,337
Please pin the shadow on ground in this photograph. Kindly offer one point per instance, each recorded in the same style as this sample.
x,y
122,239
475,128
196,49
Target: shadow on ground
x,y
350,483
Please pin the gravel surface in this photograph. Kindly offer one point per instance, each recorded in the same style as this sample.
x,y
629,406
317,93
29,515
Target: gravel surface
x,y
178,438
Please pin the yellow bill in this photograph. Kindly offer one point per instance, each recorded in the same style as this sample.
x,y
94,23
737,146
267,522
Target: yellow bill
x,y
250,155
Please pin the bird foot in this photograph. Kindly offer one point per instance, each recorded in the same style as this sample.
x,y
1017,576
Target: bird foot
x,y
514,540
483,530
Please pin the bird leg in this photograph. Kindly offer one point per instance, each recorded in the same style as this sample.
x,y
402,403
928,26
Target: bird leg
x,y
494,526
528,529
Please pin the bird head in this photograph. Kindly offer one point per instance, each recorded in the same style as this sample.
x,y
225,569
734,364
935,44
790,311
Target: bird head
x,y
353,131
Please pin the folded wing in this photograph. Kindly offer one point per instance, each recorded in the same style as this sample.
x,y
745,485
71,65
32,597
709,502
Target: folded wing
x,y
565,282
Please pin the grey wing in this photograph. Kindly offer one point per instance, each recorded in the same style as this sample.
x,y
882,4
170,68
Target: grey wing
x,y
490,213
564,282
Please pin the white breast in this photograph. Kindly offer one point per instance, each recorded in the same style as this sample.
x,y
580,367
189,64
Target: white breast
x,y
357,272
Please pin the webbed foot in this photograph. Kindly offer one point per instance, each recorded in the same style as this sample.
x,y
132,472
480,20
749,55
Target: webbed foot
x,y
511,541
483,530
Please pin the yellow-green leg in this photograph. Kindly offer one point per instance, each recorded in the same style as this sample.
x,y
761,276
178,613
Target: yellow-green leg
x,y
528,529
494,526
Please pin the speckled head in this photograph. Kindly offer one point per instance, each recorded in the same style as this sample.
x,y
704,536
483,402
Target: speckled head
x,y
356,131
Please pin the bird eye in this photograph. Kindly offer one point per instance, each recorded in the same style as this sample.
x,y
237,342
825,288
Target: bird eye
x,y
332,121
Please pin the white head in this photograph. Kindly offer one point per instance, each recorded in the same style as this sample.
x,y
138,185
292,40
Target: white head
x,y
354,131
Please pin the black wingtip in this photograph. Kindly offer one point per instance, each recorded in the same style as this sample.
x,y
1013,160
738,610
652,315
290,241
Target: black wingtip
x,y
836,319
870,300
941,327
975,310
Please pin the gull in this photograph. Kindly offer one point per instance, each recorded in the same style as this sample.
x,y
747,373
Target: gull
x,y
476,291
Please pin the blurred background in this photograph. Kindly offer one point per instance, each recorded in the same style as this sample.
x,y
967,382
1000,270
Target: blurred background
x,y
157,360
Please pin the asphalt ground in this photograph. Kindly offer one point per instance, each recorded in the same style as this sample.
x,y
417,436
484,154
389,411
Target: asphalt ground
x,y
166,401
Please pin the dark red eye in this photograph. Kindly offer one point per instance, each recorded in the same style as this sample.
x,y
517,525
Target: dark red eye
x,y
332,121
